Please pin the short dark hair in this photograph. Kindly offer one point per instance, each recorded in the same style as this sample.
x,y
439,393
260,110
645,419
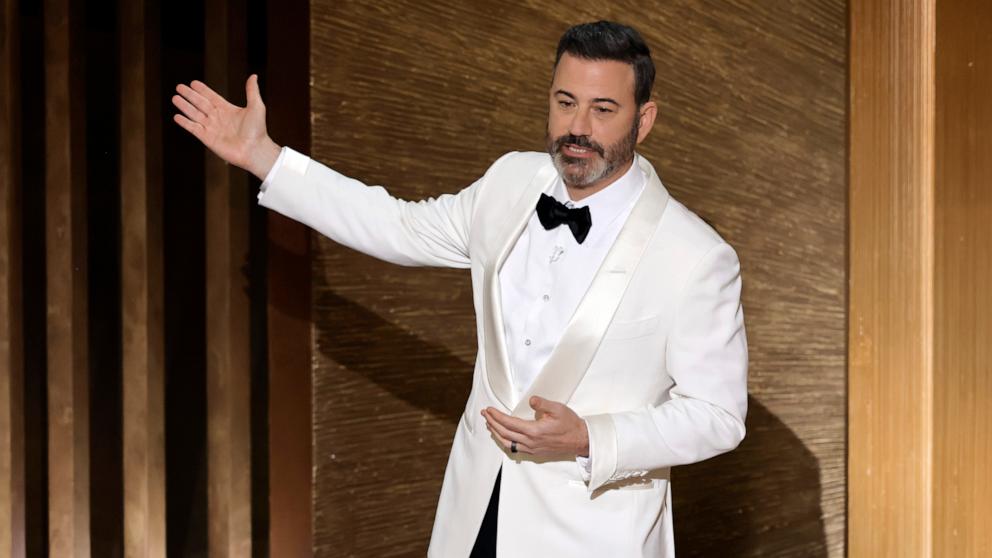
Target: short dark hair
x,y
607,40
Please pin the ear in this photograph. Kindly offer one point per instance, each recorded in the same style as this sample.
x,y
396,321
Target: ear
x,y
648,112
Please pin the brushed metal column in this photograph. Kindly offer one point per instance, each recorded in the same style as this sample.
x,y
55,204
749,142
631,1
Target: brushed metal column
x,y
65,240
11,316
142,320
227,305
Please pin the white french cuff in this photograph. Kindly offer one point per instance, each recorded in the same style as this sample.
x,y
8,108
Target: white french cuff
x,y
602,437
289,160
585,463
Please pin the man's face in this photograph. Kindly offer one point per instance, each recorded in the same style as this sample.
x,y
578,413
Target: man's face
x,y
593,121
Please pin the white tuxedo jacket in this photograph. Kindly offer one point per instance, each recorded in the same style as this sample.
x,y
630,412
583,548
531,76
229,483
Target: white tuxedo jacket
x,y
655,357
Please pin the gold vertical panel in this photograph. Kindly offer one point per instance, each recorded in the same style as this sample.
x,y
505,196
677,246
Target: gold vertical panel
x,y
962,381
422,97
142,317
12,520
65,240
891,278
227,304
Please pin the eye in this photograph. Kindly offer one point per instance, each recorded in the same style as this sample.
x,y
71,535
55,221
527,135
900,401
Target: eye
x,y
602,110
565,104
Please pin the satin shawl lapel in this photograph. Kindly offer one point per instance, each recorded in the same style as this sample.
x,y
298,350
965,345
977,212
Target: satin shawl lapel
x,y
497,360
573,353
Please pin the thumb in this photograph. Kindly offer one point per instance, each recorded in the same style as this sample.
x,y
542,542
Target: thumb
x,y
540,404
252,94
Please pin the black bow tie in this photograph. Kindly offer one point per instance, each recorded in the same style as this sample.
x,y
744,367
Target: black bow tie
x,y
552,213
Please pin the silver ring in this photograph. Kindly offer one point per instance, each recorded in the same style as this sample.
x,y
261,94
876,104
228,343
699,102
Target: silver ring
x,y
513,447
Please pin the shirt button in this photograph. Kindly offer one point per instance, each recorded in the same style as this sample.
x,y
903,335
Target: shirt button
x,y
546,298
527,342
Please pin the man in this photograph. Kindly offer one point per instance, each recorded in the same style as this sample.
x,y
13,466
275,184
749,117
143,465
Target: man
x,y
611,333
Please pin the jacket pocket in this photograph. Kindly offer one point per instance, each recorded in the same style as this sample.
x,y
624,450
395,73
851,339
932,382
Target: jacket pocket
x,y
634,329
629,484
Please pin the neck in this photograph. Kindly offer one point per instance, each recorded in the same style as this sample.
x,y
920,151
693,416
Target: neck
x,y
577,193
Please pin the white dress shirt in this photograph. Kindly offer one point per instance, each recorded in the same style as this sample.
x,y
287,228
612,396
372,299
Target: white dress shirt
x,y
547,273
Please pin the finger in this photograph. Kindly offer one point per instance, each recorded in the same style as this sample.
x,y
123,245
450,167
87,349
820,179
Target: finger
x,y
513,424
197,100
187,109
508,444
506,433
252,92
208,93
499,439
192,127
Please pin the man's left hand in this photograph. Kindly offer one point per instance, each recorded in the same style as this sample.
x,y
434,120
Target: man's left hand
x,y
557,430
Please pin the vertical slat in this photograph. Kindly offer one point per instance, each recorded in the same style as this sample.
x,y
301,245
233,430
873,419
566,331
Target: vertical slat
x,y
890,487
228,333
287,93
962,349
141,284
12,535
65,230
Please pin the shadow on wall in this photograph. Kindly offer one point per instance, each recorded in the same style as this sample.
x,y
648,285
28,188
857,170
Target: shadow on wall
x,y
364,343
761,499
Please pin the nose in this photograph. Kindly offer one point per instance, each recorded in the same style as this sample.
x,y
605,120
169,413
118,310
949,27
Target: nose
x,y
580,124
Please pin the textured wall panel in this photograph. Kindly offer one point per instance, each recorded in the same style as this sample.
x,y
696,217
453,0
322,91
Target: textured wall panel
x,y
751,134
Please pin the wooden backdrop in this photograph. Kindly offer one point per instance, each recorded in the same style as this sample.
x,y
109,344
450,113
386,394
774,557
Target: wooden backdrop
x,y
920,224
422,97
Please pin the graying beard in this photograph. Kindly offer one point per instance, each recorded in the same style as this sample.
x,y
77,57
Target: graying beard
x,y
625,146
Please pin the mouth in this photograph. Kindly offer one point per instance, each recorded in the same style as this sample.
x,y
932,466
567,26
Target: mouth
x,y
578,152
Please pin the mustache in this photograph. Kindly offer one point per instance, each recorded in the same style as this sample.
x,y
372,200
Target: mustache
x,y
579,141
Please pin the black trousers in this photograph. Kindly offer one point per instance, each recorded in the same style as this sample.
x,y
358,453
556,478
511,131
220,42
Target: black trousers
x,y
485,542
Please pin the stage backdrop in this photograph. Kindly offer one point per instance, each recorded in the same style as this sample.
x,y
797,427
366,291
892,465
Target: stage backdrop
x,y
422,97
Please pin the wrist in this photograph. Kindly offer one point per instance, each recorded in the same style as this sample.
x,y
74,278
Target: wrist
x,y
263,157
583,447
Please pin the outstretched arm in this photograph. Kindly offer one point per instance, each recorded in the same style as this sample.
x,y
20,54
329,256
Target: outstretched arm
x,y
432,232
235,134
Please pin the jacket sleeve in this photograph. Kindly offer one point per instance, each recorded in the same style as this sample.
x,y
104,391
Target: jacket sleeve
x,y
707,358
432,232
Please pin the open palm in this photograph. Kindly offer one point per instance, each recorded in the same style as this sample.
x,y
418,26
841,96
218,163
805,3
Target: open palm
x,y
235,134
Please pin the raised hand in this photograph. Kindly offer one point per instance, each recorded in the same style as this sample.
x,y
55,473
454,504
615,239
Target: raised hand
x,y
235,134
557,430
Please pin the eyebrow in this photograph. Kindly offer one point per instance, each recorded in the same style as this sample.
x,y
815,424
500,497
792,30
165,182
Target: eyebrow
x,y
596,100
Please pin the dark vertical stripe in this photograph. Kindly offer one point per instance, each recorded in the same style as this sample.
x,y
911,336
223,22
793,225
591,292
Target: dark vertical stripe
x,y
102,110
257,46
32,72
286,91
184,269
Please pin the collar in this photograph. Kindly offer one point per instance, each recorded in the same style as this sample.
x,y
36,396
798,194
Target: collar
x,y
608,204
